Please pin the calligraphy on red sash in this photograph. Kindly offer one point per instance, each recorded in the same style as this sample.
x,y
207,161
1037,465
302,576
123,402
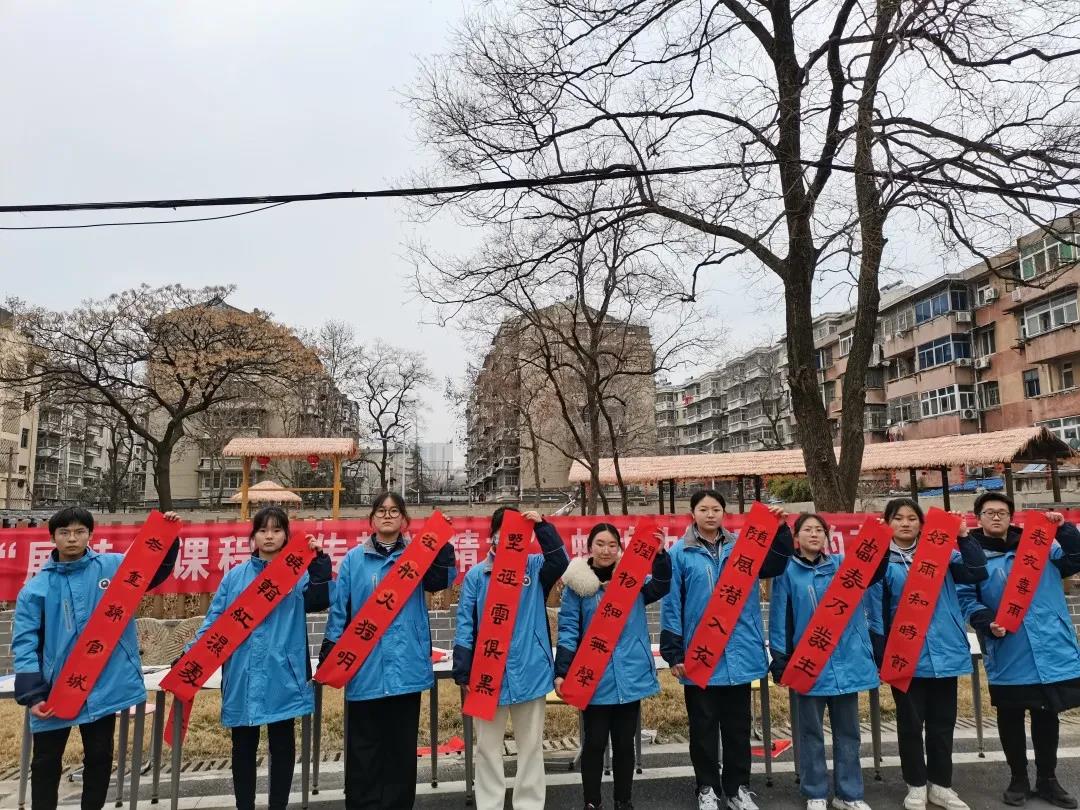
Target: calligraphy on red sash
x,y
842,598
101,636
737,582
384,604
500,613
602,636
1032,554
234,625
915,610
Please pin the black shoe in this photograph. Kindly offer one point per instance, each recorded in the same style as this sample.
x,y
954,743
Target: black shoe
x,y
1051,790
1016,794
624,806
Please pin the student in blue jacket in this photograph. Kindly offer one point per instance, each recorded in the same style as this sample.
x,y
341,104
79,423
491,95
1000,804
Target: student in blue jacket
x,y
930,700
529,674
384,695
51,611
850,670
1037,668
630,676
722,709
266,681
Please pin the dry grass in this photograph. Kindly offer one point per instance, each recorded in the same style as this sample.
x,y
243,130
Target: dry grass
x,y
206,739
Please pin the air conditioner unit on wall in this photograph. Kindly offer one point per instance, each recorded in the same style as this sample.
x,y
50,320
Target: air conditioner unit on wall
x,y
991,295
982,362
963,316
963,361
1017,293
969,413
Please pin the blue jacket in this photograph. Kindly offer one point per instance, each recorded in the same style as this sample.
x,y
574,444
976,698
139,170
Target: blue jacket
x,y
795,597
694,573
400,663
268,678
1044,649
530,670
631,673
946,652
50,612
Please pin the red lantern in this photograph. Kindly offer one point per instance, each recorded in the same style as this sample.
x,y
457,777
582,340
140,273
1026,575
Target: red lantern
x,y
264,461
313,460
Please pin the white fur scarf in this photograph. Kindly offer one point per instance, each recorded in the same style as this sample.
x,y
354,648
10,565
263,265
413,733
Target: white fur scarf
x,y
580,578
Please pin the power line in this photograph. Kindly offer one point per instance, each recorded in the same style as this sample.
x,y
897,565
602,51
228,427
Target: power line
x,y
139,222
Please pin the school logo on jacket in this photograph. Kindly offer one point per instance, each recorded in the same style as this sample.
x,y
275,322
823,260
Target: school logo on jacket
x,y
103,584
525,582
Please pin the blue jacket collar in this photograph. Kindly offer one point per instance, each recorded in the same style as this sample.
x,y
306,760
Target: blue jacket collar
x,y
72,567
692,537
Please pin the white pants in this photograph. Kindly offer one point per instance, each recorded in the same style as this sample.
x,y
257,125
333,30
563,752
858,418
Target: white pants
x,y
529,785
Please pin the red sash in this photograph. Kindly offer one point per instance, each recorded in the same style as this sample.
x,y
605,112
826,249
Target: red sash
x,y
1031,558
842,598
383,605
234,625
737,582
599,641
98,640
919,598
500,613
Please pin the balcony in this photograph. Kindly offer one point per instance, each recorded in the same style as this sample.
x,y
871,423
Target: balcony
x,y
1053,345
1055,405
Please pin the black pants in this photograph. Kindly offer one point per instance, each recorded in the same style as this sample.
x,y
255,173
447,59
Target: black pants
x,y
245,748
1044,739
930,704
380,765
720,714
48,759
619,724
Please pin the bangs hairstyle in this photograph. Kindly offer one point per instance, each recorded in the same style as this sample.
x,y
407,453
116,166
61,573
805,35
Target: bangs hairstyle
x,y
805,516
702,494
383,497
68,515
603,527
896,504
987,497
265,515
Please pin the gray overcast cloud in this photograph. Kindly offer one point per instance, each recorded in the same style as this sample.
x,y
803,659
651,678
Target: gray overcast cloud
x,y
113,101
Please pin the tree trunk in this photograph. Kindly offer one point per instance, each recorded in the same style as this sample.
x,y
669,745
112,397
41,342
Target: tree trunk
x,y
382,466
162,467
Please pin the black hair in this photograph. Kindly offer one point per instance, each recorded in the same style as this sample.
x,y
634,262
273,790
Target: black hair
x,y
896,504
980,502
68,515
399,503
805,516
497,519
267,514
603,527
702,494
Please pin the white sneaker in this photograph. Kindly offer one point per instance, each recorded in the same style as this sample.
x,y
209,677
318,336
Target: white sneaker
x,y
916,798
817,804
707,799
743,801
945,797
841,804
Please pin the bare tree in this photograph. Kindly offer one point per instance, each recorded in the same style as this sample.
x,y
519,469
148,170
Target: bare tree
x,y
156,357
577,305
387,384
794,136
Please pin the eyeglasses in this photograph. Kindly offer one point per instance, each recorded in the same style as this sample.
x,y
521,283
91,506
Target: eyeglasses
x,y
64,534
994,513
391,512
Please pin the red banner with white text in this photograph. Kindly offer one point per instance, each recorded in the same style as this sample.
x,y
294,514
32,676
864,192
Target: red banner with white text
x,y
208,550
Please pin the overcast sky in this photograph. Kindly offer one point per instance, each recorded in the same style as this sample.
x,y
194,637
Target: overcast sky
x,y
113,101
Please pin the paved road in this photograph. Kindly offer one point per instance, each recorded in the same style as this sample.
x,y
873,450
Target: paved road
x,y
667,782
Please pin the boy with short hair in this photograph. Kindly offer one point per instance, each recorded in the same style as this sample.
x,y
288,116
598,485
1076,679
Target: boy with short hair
x,y
51,611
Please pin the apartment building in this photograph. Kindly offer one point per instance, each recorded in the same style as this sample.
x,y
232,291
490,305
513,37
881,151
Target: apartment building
x,y
18,427
518,437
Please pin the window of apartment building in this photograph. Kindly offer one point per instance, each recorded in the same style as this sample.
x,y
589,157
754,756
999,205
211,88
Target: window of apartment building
x,y
989,395
1050,314
943,350
903,409
1047,253
824,358
901,367
875,378
24,439
875,418
1067,428
27,402
828,392
845,343
905,319
985,343
1031,383
984,295
938,401
939,304
1066,378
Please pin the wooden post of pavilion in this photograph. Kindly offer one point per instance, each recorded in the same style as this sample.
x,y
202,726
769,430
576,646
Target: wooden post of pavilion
x,y
335,511
1055,479
245,485
660,494
671,495
913,484
945,488
1008,474
757,487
